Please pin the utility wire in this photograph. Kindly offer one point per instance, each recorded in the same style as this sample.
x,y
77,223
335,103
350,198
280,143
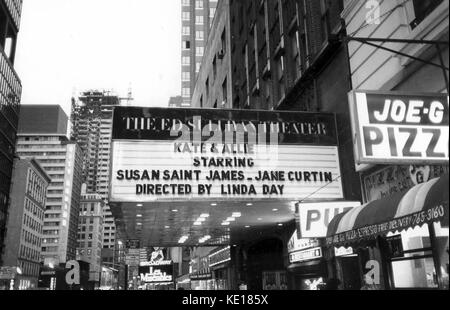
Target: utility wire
x,y
318,190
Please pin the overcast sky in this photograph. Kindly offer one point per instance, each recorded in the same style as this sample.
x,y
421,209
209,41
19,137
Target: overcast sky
x,y
66,46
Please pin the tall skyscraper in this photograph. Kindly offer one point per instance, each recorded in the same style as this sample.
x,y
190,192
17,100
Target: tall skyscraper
x,y
196,16
11,90
91,119
42,136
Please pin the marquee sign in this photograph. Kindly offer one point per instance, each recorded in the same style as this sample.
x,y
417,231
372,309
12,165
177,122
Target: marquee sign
x,y
156,272
401,128
219,257
175,154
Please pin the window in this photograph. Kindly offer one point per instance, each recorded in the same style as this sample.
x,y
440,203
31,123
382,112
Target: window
x,y
186,30
223,39
199,35
199,4
185,76
186,16
422,8
197,67
295,49
214,68
186,60
199,20
199,51
224,92
212,12
186,92
324,19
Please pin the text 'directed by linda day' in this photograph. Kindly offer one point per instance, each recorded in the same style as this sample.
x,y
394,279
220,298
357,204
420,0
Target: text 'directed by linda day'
x,y
166,170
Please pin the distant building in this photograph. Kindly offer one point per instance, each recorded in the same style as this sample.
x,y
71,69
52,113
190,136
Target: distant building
x,y
175,102
91,120
26,221
11,91
90,234
196,19
42,136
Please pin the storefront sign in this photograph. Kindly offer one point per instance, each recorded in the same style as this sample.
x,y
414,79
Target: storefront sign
x,y
220,257
398,224
225,154
295,244
201,276
157,263
396,179
392,127
156,272
315,217
305,255
343,251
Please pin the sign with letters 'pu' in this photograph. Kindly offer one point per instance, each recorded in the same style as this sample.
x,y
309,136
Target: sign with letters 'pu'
x,y
315,217
179,154
400,128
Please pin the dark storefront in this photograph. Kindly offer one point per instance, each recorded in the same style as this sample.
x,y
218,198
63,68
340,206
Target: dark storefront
x,y
307,268
264,265
401,241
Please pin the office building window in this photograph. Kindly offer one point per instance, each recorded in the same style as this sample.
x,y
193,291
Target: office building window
x,y
186,92
199,51
212,12
186,16
199,4
186,60
224,92
199,35
186,30
186,76
199,20
422,8
186,45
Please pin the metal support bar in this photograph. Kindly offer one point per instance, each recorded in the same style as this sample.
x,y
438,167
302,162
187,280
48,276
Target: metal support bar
x,y
397,40
441,59
406,55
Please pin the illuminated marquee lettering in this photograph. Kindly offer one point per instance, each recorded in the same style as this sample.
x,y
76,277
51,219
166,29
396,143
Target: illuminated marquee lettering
x,y
162,155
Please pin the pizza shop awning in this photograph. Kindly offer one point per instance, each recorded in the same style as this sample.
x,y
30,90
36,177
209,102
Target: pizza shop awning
x,y
422,204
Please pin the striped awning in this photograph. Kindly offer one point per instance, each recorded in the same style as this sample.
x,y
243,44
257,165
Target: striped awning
x,y
424,203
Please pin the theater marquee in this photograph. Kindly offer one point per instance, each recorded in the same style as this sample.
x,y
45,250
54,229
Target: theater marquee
x,y
161,154
400,128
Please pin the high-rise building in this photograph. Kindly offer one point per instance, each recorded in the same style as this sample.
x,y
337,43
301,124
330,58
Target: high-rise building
x,y
26,221
196,19
10,90
42,136
279,56
91,119
90,234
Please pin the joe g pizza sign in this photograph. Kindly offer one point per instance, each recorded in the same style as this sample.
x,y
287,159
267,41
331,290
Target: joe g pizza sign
x,y
399,128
